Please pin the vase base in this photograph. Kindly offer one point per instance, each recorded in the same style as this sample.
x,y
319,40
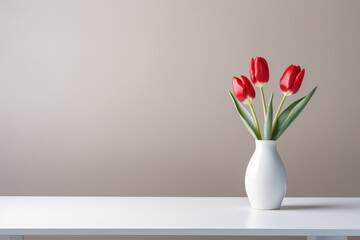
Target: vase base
x,y
265,208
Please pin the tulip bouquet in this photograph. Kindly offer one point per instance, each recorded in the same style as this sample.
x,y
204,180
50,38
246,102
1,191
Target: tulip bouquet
x,y
244,92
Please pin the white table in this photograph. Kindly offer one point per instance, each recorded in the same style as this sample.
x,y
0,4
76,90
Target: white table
x,y
317,218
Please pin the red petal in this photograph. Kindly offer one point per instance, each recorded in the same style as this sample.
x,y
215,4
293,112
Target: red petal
x,y
252,70
239,89
261,70
298,81
288,78
249,88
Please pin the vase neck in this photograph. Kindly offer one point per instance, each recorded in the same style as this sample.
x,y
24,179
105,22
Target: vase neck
x,y
270,144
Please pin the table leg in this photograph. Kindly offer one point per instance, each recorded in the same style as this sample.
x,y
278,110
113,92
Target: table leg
x,y
326,238
11,237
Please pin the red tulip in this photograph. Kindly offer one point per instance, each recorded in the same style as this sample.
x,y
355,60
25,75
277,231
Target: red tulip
x,y
259,71
243,89
291,80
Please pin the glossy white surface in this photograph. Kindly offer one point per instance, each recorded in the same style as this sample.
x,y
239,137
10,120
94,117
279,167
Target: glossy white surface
x,y
265,178
177,216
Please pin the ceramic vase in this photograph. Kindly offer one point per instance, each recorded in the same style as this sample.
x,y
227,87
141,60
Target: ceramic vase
x,y
265,178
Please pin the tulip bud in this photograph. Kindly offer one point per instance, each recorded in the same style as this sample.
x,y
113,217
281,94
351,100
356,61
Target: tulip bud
x,y
243,89
291,80
259,71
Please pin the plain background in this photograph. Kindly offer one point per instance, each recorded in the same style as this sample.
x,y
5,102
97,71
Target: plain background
x,y
130,98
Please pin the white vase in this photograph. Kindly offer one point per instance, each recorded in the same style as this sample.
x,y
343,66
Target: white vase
x,y
265,178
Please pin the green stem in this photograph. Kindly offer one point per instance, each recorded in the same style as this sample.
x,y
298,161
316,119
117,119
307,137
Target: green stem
x,y
278,111
263,101
256,121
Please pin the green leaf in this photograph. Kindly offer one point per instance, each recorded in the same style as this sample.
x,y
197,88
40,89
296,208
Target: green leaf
x,y
245,116
282,117
269,120
290,114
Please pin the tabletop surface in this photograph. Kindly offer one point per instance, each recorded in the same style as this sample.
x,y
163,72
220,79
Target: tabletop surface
x,y
177,216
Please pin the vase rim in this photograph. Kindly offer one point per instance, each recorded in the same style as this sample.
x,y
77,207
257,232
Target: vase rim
x,y
256,140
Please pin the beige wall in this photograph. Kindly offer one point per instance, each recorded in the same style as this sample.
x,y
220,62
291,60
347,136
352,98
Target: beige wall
x,y
118,98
